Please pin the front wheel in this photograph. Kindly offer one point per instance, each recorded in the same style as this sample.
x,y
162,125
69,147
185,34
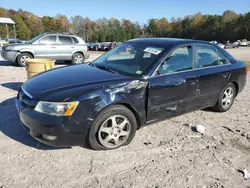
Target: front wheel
x,y
226,99
77,58
114,127
22,58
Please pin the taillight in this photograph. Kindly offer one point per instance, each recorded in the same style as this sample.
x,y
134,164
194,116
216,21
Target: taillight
x,y
246,69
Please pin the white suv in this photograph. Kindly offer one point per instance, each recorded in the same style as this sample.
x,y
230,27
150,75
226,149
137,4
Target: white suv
x,y
48,45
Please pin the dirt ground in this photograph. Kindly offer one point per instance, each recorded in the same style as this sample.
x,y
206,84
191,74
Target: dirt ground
x,y
166,154
242,53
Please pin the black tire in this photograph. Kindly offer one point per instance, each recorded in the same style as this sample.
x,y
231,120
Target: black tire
x,y
78,56
21,57
219,107
111,111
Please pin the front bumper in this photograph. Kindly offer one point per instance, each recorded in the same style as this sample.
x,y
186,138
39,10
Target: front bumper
x,y
9,55
51,130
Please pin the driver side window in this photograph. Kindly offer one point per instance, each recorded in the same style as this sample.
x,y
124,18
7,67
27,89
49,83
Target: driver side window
x,y
180,59
48,40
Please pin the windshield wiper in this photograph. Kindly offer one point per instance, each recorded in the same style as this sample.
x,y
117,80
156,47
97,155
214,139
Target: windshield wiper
x,y
106,68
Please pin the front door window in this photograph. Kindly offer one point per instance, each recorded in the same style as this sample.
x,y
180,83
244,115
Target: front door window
x,y
180,59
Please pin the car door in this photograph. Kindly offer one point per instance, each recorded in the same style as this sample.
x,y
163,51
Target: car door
x,y
65,47
214,73
45,47
174,87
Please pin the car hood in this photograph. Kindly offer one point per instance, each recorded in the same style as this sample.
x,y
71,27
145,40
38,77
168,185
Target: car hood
x,y
65,79
15,46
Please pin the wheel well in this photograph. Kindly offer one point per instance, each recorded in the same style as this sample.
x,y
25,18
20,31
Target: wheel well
x,y
26,53
79,52
236,87
133,111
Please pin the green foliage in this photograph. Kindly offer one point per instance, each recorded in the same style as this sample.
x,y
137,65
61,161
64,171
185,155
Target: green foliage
x,y
228,26
22,31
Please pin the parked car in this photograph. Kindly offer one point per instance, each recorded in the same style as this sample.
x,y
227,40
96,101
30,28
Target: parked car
x,y
48,45
142,81
229,46
12,40
106,46
221,45
214,42
3,42
94,46
236,45
243,42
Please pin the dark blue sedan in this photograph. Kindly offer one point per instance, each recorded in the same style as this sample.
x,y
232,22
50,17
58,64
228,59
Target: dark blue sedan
x,y
142,81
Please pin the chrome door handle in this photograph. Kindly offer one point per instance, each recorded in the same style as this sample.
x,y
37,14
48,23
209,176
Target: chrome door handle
x,y
53,47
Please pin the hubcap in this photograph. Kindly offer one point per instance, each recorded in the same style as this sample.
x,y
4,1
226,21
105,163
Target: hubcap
x,y
227,98
23,58
114,131
78,59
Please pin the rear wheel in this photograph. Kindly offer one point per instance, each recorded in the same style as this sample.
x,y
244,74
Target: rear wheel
x,y
77,58
113,128
226,99
22,57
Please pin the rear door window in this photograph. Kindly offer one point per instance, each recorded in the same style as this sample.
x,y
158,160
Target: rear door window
x,y
209,56
181,59
65,40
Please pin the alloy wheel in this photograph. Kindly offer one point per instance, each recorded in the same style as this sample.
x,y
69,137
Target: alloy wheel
x,y
114,131
78,59
23,58
227,98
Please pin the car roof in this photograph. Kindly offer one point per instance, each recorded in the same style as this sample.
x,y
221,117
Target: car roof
x,y
59,34
167,41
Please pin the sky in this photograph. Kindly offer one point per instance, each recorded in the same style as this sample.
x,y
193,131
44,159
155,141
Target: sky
x,y
134,10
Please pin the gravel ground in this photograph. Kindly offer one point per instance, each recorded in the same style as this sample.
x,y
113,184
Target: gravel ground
x,y
242,53
166,154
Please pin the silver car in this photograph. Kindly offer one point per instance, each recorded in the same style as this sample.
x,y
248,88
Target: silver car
x,y
48,45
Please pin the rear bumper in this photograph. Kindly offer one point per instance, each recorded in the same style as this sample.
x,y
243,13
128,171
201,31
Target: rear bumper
x,y
9,55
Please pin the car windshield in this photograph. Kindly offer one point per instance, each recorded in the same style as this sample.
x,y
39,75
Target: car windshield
x,y
35,39
133,59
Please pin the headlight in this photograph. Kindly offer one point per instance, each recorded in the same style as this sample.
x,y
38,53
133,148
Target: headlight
x,y
56,108
7,48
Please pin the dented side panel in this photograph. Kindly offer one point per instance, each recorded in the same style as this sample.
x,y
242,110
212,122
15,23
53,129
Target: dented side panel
x,y
132,93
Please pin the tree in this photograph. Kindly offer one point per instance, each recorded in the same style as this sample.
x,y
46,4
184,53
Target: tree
x,y
62,23
22,31
228,26
79,25
33,22
229,16
152,27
